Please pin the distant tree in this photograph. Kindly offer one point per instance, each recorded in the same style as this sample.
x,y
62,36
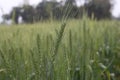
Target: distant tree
x,y
15,13
100,9
6,16
48,9
70,2
70,9
28,13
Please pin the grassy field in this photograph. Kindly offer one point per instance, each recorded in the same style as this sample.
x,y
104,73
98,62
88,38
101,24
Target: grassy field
x,y
75,50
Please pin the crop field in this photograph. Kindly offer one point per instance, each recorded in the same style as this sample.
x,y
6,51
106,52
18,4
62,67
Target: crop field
x,y
74,50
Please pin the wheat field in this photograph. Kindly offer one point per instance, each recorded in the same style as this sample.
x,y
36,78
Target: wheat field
x,y
73,50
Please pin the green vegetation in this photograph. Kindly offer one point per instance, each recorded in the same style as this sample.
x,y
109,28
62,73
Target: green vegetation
x,y
75,50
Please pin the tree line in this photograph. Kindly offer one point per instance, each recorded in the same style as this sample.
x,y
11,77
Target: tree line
x,y
96,9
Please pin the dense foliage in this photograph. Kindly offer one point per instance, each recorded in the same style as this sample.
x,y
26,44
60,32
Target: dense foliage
x,y
96,9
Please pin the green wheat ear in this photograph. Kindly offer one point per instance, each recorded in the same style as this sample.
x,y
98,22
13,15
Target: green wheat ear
x,y
3,57
13,16
58,40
